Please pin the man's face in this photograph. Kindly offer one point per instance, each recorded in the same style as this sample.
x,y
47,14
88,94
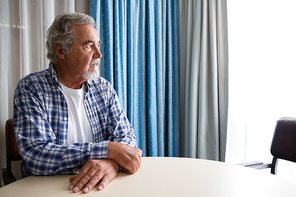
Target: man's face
x,y
84,59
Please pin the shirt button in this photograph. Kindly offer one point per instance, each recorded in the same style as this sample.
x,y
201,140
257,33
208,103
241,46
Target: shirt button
x,y
65,118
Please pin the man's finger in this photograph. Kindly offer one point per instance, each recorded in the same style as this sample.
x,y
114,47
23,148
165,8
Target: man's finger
x,y
103,183
72,178
76,178
81,179
94,180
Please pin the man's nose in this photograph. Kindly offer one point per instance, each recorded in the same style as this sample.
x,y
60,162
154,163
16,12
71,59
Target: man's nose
x,y
97,53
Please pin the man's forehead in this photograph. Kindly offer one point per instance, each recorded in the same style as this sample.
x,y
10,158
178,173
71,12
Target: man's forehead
x,y
86,33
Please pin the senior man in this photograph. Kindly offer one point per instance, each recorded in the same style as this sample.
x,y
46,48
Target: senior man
x,y
67,119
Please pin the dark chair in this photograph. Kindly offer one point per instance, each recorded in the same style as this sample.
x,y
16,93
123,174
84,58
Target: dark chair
x,y
283,144
12,153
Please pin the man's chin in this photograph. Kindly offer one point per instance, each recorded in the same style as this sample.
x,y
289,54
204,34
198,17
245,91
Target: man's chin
x,y
91,74
93,68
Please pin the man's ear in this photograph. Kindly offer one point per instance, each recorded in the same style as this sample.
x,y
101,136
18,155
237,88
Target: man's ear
x,y
58,50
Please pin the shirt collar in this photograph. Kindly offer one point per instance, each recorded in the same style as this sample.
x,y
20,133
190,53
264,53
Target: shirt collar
x,y
55,77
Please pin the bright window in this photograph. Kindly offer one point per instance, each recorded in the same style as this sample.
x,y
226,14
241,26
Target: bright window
x,y
262,76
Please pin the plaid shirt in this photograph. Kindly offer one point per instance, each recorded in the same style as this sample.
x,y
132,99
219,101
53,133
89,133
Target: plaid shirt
x,y
41,124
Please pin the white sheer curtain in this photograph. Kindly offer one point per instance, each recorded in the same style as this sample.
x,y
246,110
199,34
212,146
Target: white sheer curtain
x,y
23,26
204,79
262,80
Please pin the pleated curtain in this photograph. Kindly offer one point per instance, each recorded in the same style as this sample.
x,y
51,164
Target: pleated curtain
x,y
141,58
204,79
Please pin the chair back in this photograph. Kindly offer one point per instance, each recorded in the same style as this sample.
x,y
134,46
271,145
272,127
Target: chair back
x,y
283,145
12,152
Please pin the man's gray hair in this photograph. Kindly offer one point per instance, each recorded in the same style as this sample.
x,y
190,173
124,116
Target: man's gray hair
x,y
62,31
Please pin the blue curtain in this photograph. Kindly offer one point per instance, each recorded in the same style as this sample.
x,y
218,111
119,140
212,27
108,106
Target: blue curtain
x,y
141,47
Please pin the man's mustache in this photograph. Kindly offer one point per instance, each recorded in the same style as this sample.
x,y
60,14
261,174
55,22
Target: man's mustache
x,y
95,61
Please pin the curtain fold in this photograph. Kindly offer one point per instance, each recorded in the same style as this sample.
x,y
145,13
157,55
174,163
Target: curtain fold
x,y
23,25
204,80
140,47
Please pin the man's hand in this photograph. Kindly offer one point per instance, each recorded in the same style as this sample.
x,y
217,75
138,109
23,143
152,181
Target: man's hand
x,y
126,156
94,171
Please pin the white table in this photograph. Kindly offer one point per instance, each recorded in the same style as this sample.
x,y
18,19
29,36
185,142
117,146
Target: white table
x,y
167,177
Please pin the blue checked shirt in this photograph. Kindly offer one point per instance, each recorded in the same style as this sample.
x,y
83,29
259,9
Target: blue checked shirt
x,y
41,124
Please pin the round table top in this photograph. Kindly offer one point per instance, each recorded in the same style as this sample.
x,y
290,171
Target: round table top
x,y
166,176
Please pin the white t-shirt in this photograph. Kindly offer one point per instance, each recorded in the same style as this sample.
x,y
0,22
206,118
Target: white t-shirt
x,y
79,129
